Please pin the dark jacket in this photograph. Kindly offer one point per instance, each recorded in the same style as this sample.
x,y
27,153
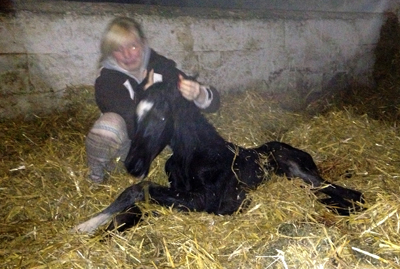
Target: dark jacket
x,y
112,93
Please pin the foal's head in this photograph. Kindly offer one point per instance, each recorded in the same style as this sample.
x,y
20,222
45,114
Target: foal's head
x,y
154,128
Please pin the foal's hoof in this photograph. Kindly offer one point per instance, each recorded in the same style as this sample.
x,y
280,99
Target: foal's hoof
x,y
343,207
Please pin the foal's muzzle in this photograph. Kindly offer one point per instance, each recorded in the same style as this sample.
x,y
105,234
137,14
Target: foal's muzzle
x,y
137,167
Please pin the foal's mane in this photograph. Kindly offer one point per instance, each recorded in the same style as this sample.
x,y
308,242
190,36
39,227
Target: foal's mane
x,y
192,131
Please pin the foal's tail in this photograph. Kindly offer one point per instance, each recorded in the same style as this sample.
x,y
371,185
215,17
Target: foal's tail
x,y
291,162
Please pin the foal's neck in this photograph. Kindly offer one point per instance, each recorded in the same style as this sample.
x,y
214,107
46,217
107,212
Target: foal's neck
x,y
193,133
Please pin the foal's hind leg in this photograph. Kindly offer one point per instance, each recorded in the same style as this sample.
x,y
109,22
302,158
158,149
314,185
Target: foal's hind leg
x,y
291,162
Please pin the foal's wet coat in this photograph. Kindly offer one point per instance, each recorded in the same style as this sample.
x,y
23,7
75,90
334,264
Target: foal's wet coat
x,y
206,173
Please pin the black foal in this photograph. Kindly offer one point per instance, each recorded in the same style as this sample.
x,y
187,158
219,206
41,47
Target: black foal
x,y
206,173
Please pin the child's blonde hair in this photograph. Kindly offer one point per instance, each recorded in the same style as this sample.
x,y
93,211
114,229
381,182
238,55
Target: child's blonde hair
x,y
117,33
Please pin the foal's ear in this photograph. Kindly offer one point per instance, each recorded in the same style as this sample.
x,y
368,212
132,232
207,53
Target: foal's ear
x,y
173,89
142,85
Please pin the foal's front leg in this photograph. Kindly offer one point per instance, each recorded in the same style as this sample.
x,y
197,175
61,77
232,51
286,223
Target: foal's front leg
x,y
160,194
126,199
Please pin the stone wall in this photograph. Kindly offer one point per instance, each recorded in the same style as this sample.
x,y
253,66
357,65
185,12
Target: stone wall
x,y
48,46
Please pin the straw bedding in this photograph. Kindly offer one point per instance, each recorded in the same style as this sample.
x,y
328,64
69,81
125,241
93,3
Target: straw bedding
x,y
44,191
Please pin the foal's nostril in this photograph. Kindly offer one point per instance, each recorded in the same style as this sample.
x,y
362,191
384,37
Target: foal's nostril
x,y
134,165
138,168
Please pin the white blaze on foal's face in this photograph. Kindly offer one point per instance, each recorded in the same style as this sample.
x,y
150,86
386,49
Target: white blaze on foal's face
x,y
142,108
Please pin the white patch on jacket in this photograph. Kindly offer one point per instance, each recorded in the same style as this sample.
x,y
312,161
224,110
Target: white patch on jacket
x,y
128,86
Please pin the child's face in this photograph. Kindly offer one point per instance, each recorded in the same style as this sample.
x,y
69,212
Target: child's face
x,y
129,54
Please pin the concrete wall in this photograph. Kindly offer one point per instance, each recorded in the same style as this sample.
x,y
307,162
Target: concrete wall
x,y
364,6
47,46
